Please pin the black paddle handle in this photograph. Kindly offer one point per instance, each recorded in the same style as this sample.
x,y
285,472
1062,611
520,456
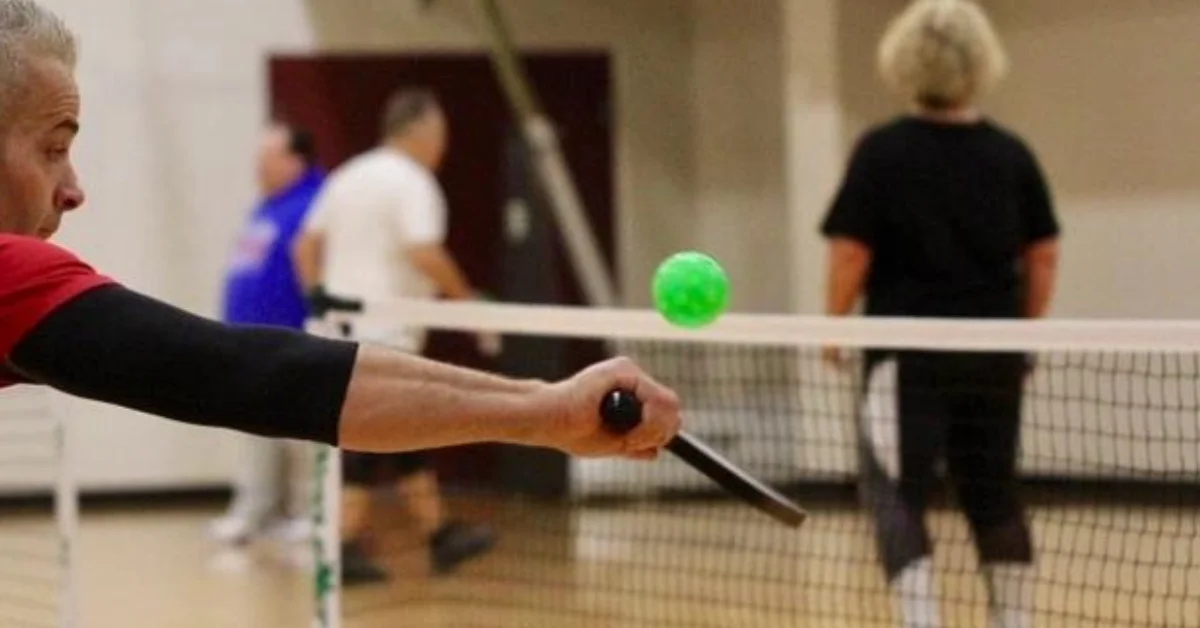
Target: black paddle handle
x,y
621,411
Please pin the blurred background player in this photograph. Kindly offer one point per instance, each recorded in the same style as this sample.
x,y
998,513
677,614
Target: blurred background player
x,y
261,289
944,213
377,232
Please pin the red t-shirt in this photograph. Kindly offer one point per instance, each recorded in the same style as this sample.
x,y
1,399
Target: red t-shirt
x,y
36,278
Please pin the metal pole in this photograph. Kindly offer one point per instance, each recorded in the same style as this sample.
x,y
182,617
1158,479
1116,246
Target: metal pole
x,y
551,166
66,514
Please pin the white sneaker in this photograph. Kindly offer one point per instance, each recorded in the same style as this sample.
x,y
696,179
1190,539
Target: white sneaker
x,y
293,530
234,530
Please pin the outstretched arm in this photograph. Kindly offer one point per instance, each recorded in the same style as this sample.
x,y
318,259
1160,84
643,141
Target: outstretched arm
x,y
116,346
397,401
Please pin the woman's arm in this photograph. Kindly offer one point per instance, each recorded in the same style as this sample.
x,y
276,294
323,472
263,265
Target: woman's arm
x,y
1041,271
849,261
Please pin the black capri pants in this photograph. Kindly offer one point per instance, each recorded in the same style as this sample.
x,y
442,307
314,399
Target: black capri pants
x,y
964,409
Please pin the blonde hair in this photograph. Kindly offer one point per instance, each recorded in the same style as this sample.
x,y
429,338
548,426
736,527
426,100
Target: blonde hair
x,y
942,54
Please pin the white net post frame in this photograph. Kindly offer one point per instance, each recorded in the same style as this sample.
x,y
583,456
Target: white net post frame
x,y
66,513
36,463
327,576
326,517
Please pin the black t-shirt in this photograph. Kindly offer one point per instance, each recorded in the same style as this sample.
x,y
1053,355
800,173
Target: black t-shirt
x,y
947,210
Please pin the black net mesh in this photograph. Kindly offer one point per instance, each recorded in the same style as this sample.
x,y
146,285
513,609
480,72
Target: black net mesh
x,y
1105,470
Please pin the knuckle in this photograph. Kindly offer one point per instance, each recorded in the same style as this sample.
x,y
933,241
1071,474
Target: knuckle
x,y
628,368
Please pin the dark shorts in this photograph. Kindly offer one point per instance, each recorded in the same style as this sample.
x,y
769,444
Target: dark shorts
x,y
359,469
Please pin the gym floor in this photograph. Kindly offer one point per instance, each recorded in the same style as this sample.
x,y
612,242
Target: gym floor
x,y
682,564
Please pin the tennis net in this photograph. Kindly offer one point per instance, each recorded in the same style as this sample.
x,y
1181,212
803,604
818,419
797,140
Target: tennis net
x,y
1109,460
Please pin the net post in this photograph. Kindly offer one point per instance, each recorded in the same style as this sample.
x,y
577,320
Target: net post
x,y
327,572
325,510
66,515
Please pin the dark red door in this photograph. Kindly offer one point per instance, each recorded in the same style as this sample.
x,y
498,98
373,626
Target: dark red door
x,y
339,98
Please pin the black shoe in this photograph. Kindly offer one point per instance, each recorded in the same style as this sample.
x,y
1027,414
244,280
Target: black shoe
x,y
456,543
358,569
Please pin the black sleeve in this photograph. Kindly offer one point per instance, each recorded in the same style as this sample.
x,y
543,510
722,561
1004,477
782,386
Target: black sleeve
x,y
116,346
1037,216
855,212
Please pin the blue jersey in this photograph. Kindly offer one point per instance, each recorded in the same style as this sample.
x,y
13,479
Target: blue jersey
x,y
261,287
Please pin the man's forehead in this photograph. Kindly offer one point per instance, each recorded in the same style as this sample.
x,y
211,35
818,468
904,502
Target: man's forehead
x,y
276,136
49,92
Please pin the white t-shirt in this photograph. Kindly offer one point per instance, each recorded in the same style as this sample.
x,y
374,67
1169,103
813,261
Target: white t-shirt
x,y
370,211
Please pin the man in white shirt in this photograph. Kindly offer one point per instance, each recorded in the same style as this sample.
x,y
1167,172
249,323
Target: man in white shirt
x,y
377,232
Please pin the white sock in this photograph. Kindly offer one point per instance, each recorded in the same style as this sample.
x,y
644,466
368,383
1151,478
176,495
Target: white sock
x,y
1011,588
918,603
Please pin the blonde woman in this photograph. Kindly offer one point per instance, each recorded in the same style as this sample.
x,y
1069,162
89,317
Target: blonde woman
x,y
944,213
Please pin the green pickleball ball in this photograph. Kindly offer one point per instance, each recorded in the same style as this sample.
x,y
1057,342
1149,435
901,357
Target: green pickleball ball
x,y
690,289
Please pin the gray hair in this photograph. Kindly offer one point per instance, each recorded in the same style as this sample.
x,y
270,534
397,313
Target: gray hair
x,y
29,30
405,107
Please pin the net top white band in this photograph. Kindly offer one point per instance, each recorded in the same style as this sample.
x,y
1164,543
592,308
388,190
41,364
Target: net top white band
x,y
1173,336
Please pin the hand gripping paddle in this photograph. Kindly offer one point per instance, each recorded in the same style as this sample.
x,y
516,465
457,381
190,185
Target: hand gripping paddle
x,y
621,411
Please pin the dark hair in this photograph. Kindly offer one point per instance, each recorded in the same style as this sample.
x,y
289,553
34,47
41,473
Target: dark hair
x,y
406,106
303,145
301,142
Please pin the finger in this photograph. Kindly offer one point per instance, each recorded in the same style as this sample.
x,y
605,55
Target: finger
x,y
647,454
660,405
660,420
619,372
650,391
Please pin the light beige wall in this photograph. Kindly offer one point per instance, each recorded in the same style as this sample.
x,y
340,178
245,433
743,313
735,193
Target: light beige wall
x,y
737,103
1105,90
864,99
814,153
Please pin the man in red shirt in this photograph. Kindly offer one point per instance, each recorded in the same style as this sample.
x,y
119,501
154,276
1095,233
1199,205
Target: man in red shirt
x,y
64,325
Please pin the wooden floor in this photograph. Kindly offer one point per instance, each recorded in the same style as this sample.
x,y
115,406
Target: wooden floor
x,y
668,565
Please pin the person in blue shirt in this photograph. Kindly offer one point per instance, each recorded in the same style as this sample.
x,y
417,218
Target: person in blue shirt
x,y
261,289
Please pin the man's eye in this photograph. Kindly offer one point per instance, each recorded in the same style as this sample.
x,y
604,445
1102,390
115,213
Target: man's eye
x,y
57,153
